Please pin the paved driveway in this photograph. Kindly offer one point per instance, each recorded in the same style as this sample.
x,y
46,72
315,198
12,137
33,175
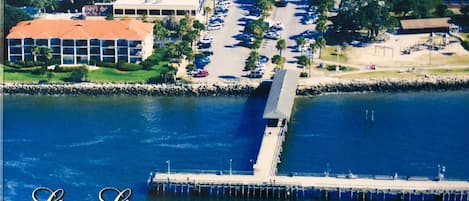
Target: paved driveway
x,y
228,59
291,17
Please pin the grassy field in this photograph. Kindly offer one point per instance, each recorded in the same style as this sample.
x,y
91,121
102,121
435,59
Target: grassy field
x,y
330,53
98,75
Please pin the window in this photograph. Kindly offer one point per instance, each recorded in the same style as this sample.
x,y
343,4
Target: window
x,y
94,58
28,57
181,12
129,11
54,41
68,50
142,12
107,43
122,42
12,42
68,60
193,12
15,58
15,50
155,12
135,59
134,43
94,42
109,52
167,12
67,42
81,43
82,51
135,52
42,42
27,49
55,50
109,59
28,41
118,11
82,59
95,50
122,51
122,58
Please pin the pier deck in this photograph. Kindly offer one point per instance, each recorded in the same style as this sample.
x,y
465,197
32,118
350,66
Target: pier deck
x,y
315,182
269,152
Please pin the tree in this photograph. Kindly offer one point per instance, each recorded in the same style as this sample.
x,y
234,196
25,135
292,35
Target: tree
x,y
35,52
198,25
321,26
50,75
300,41
257,27
207,12
441,10
250,63
281,45
374,16
13,16
79,74
304,61
320,43
279,61
161,32
464,10
42,5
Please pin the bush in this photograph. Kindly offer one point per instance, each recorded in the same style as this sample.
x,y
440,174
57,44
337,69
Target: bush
x,y
465,44
332,68
61,69
39,71
106,64
303,74
79,74
123,66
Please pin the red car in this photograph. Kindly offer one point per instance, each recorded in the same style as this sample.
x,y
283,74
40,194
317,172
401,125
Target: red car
x,y
202,73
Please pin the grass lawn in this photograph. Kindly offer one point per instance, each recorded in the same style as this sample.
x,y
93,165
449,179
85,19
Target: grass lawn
x,y
396,74
330,53
98,75
447,71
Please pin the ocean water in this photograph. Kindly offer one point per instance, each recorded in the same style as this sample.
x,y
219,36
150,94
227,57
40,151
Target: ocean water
x,y
85,143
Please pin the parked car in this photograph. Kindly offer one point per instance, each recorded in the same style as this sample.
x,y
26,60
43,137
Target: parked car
x,y
246,37
201,45
278,26
206,39
207,52
263,59
256,74
281,3
202,60
214,26
272,35
309,34
255,11
202,73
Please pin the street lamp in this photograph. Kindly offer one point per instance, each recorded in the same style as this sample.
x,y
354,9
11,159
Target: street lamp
x,y
337,53
231,168
169,166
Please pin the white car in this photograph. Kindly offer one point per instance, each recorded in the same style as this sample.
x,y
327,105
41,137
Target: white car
x,y
216,26
278,26
272,35
206,39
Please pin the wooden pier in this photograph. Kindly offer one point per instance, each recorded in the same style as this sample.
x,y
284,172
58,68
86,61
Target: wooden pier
x,y
265,183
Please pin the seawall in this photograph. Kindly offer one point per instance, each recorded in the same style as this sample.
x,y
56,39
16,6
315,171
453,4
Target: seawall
x,y
240,88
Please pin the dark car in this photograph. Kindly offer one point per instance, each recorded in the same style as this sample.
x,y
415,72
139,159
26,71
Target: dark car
x,y
207,52
281,3
204,45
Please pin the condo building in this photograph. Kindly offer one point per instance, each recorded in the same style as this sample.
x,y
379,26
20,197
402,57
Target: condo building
x,y
82,41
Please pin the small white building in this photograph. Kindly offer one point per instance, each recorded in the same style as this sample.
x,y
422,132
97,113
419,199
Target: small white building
x,y
158,8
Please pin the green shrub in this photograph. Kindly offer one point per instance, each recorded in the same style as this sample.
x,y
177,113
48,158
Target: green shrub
x,y
123,66
465,44
39,71
106,64
303,74
79,74
61,69
332,68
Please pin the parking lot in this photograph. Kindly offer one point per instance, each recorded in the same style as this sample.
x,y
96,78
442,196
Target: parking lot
x,y
229,58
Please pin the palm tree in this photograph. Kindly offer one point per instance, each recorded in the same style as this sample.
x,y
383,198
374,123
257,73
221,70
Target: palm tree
x,y
320,42
300,41
321,26
35,52
207,11
281,45
279,61
42,5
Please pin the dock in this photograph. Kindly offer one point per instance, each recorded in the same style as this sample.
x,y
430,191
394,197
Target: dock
x,y
264,182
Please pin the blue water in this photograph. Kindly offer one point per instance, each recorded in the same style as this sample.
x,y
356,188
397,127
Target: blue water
x,y
83,143
412,133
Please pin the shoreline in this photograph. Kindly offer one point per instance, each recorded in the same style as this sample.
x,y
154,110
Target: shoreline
x,y
240,88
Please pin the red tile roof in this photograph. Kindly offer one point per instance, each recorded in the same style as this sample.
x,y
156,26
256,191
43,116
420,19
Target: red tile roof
x,y
82,29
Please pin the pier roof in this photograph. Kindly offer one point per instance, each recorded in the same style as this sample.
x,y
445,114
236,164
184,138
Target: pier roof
x,y
281,96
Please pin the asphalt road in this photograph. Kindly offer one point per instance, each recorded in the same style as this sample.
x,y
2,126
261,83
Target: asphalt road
x,y
228,59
